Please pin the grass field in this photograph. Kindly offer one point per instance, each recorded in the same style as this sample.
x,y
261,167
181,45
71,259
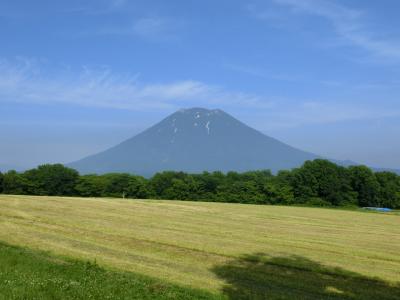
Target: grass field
x,y
233,250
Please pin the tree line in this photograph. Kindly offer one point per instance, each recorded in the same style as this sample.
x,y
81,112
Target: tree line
x,y
317,183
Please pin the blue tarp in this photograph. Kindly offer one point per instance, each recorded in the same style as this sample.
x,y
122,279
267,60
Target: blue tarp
x,y
384,209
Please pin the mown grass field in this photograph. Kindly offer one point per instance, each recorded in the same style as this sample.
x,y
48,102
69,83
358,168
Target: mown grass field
x,y
229,250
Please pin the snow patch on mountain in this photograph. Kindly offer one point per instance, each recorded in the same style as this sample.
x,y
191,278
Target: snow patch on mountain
x,y
208,127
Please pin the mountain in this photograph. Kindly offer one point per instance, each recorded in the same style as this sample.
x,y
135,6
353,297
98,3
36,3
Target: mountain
x,y
195,140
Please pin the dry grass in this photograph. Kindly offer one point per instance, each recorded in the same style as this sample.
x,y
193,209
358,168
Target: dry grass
x,y
183,242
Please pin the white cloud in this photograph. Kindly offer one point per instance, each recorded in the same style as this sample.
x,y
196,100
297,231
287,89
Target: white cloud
x,y
349,24
22,82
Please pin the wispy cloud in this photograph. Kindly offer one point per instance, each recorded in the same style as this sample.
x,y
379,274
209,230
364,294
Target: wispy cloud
x,y
323,112
98,7
117,3
150,28
263,73
23,82
349,25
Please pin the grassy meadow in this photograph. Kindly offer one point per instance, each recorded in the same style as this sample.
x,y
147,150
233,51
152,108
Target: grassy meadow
x,y
195,250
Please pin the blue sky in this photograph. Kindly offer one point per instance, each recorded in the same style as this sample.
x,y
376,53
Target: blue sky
x,y
79,76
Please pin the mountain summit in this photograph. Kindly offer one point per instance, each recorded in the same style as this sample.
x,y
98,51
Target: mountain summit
x,y
195,140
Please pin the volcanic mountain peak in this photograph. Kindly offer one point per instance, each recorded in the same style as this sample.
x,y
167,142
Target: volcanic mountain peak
x,y
199,118
195,140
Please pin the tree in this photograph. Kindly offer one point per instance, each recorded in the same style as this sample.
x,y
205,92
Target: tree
x,y
116,184
323,179
138,188
283,193
15,184
389,192
278,192
1,182
91,186
161,182
179,190
364,182
52,180
207,185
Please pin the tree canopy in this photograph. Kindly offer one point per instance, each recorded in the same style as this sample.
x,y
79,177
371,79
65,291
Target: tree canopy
x,y
319,183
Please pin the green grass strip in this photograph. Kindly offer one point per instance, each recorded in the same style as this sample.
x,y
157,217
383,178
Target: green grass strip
x,y
26,274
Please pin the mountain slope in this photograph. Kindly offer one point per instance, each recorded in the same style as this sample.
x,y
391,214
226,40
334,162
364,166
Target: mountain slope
x,y
195,140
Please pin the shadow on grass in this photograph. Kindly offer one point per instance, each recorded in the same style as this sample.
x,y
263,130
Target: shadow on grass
x,y
32,274
258,277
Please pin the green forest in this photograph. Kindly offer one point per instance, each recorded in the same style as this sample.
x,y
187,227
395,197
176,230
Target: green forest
x,y
315,183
